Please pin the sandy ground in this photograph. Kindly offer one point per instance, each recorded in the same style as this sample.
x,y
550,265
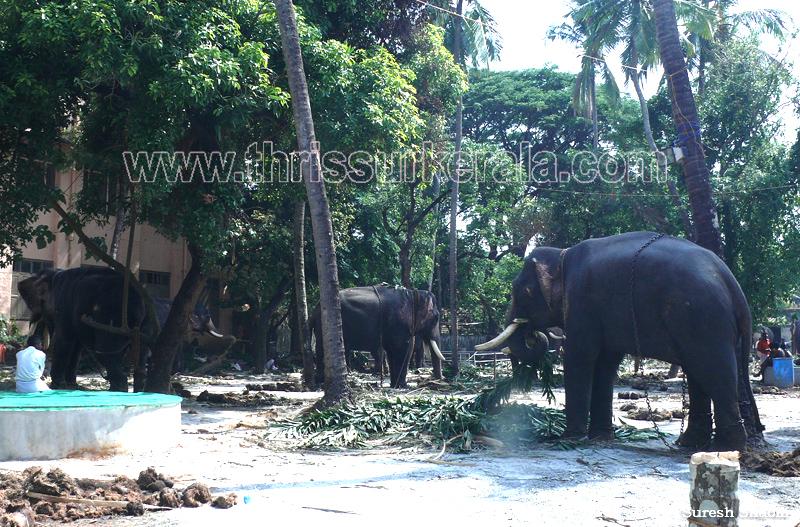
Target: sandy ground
x,y
634,484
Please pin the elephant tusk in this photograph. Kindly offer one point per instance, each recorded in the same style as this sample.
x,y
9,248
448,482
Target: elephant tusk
x,y
46,339
435,348
542,336
555,337
506,351
215,334
520,321
427,350
499,339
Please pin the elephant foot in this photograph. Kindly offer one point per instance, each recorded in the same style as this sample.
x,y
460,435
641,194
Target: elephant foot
x,y
730,437
698,432
601,434
571,433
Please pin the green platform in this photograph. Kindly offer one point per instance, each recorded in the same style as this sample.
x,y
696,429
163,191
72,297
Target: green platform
x,y
71,399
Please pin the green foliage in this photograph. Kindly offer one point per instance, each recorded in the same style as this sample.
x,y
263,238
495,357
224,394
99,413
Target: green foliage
x,y
754,183
10,333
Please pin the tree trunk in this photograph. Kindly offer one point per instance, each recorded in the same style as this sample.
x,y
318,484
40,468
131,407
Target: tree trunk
x,y
336,388
595,126
458,52
436,189
261,325
175,326
405,264
119,225
301,303
260,343
684,112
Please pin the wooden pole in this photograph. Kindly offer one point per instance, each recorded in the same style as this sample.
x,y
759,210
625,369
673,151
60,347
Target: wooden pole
x,y
714,496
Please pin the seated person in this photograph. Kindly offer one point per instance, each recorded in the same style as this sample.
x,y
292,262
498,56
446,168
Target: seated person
x,y
774,353
30,367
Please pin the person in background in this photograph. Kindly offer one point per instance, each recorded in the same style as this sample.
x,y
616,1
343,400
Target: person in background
x,y
763,348
30,367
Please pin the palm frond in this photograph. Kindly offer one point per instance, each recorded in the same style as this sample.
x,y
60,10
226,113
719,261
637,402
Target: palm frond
x,y
769,21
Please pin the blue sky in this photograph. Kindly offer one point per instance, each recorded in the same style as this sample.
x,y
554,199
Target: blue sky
x,y
523,26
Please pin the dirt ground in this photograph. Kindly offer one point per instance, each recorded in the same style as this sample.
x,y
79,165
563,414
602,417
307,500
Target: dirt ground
x,y
222,446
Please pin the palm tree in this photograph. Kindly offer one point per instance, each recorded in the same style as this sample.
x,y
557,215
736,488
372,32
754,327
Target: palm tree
x,y
301,303
336,388
474,35
684,112
769,21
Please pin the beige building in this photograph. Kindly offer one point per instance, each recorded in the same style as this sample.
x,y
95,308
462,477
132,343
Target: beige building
x,y
159,264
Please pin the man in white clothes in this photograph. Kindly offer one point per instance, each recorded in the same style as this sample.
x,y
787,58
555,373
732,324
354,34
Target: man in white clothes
x,y
30,367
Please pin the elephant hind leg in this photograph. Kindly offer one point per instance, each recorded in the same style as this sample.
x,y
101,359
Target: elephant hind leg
x,y
698,431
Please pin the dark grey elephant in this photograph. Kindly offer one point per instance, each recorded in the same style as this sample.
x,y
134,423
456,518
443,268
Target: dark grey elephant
x,y
376,318
689,310
58,299
200,324
795,329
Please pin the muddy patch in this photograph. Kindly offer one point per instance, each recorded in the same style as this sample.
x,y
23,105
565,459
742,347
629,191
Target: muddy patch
x,y
773,463
35,495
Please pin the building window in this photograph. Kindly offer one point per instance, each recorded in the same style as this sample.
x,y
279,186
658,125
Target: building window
x,y
21,270
31,266
156,283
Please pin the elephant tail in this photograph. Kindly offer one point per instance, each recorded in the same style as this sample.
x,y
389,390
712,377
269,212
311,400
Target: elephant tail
x,y
747,401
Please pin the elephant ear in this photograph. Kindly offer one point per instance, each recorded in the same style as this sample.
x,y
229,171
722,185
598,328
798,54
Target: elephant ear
x,y
551,283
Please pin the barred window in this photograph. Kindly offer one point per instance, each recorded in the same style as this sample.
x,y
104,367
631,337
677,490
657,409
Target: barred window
x,y
156,283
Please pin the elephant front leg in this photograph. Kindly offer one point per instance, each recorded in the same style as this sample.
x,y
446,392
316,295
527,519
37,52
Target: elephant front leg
x,y
602,402
577,391
63,354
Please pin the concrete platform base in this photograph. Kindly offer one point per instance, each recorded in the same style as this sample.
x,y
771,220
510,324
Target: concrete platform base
x,y
769,376
58,424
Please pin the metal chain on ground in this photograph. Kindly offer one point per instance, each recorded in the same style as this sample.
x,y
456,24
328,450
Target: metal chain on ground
x,y
639,350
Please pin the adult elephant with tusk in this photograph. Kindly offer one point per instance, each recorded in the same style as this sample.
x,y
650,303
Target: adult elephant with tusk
x,y
638,293
391,319
61,301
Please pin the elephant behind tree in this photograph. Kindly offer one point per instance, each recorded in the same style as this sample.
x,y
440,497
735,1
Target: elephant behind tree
x,y
689,310
60,298
200,324
376,318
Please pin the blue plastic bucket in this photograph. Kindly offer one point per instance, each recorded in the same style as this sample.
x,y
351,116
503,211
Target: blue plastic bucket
x,y
784,372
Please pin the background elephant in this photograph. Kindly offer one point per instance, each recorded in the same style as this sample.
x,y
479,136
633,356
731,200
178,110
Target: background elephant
x,y
689,311
59,298
795,330
200,325
385,318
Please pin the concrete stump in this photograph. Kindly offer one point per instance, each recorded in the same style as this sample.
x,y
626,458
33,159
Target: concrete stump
x,y
714,495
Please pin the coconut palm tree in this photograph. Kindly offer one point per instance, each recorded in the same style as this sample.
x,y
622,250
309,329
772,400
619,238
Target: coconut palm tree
x,y
473,34
336,388
684,111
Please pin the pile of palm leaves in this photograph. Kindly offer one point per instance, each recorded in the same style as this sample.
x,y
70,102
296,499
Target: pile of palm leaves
x,y
436,418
